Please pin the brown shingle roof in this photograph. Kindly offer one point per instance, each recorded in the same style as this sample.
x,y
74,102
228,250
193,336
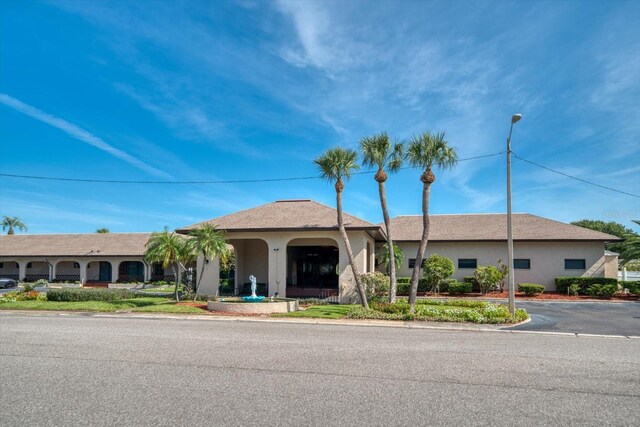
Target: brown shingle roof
x,y
96,244
285,215
477,227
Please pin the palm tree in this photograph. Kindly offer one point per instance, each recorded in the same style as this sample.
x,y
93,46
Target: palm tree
x,y
426,151
335,165
102,231
12,222
169,249
631,247
210,242
378,151
383,256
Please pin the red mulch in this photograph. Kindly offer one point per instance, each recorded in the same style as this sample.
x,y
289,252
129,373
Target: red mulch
x,y
546,296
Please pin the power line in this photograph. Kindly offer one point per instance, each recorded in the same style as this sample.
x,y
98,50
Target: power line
x,y
575,177
238,181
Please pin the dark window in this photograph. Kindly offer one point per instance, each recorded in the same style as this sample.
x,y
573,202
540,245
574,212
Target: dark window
x,y
76,265
574,264
412,262
522,264
28,265
1,265
467,263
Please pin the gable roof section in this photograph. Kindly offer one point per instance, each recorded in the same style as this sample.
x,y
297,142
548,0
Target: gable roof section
x,y
285,215
80,245
492,227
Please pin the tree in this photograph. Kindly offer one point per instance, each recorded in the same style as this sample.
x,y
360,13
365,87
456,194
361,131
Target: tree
x,y
209,242
436,269
504,274
169,249
488,277
383,256
12,222
631,247
611,227
377,151
102,231
426,151
337,165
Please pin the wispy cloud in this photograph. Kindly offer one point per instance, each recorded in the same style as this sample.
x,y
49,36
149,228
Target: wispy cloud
x,y
78,133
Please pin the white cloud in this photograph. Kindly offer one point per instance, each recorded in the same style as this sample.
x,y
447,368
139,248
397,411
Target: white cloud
x,y
78,133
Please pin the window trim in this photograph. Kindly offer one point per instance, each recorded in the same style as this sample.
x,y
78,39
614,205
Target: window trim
x,y
475,261
584,263
528,260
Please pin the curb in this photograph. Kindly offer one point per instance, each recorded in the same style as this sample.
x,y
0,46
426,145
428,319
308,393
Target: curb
x,y
332,322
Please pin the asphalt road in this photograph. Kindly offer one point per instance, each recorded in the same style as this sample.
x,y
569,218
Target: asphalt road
x,y
607,318
93,370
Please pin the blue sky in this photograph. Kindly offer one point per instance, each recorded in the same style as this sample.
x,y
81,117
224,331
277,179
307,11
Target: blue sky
x,y
174,91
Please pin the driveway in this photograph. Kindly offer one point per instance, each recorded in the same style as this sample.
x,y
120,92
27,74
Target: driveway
x,y
606,318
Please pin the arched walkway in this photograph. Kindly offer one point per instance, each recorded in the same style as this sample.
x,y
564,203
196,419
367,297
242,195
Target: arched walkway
x,y
252,258
67,271
312,268
131,271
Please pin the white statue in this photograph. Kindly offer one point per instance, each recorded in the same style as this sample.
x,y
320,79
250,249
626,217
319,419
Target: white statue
x,y
252,279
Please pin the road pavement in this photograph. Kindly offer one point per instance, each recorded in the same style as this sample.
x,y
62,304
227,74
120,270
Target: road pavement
x,y
104,370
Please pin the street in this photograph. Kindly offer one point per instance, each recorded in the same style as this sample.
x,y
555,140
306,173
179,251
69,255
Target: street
x,y
79,369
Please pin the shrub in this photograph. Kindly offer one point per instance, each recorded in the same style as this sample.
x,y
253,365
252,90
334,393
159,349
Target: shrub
x,y
475,286
404,286
76,295
27,287
632,285
459,288
574,289
563,283
403,279
435,269
530,289
42,282
444,285
487,277
602,291
23,296
375,284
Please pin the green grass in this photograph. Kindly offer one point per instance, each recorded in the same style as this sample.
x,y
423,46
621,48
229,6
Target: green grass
x,y
160,289
321,312
147,304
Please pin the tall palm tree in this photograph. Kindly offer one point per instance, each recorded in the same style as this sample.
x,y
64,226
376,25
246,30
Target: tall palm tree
x,y
210,242
377,151
426,151
12,222
335,165
631,247
169,249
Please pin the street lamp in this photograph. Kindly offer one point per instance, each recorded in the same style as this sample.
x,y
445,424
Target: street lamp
x,y
512,284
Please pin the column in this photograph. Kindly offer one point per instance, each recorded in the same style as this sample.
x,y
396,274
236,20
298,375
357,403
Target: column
x,y
52,270
83,271
277,266
22,270
210,282
114,271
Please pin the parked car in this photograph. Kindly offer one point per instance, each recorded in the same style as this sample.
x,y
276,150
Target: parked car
x,y
8,283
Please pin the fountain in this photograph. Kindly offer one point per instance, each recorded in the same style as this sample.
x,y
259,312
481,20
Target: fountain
x,y
253,297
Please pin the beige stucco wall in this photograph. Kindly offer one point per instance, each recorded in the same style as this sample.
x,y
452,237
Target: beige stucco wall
x,y
547,258
252,259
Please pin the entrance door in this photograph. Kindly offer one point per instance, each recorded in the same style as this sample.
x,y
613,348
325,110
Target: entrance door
x,y
105,271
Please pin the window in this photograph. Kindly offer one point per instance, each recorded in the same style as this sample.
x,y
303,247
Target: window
x,y
522,264
76,265
28,265
467,263
412,262
575,264
1,264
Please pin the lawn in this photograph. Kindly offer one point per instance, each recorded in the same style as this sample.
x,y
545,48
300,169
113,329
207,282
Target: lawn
x,y
321,312
146,304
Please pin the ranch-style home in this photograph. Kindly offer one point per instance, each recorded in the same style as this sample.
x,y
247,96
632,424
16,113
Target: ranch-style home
x,y
294,249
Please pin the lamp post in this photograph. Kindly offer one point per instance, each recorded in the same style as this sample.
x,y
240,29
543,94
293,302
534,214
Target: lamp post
x,y
512,284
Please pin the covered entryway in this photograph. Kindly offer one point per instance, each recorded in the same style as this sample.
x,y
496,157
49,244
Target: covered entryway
x,y
252,258
131,271
312,268
67,271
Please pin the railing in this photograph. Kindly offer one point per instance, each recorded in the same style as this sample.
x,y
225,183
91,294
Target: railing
x,y
34,277
163,277
10,276
67,278
129,278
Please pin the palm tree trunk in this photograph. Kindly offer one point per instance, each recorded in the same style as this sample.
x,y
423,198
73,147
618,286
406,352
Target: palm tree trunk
x,y
347,244
175,272
415,276
10,230
392,259
204,259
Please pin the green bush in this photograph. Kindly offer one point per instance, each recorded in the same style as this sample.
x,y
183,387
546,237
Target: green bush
x,y
444,285
574,289
563,283
459,288
475,286
632,285
403,287
375,284
598,290
27,287
435,269
487,277
530,289
76,295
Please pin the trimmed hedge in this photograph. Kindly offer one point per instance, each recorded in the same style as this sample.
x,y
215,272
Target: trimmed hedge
x,y
632,285
602,291
562,283
77,295
459,288
475,286
403,287
530,289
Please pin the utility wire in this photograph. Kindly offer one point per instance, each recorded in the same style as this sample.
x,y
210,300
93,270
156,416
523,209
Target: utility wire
x,y
575,177
239,181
